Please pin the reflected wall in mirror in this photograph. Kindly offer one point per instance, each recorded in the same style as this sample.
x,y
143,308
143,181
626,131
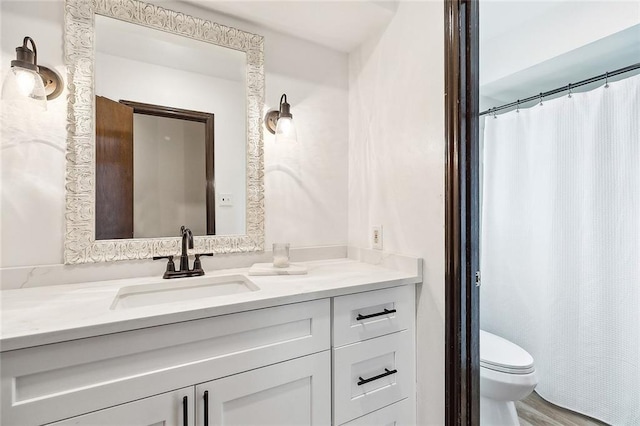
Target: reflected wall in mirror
x,y
144,154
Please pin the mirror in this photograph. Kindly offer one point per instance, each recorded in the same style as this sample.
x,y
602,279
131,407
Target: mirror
x,y
166,131
165,84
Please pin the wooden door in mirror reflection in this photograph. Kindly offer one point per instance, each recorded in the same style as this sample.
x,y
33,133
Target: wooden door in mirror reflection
x,y
114,170
171,151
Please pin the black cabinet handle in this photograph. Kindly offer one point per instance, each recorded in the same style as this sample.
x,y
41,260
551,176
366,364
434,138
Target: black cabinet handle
x,y
206,408
377,314
185,413
386,373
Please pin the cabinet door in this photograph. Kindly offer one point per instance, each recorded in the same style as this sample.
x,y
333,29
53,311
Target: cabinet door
x,y
296,392
174,408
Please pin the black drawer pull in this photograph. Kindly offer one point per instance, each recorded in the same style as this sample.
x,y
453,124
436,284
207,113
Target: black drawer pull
x,y
185,412
206,408
386,373
377,314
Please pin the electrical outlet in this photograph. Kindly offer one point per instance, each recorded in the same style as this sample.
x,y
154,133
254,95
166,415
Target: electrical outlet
x,y
376,237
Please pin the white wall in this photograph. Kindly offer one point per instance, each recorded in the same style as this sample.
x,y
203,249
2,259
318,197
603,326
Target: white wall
x,y
169,185
396,168
33,145
193,181
306,205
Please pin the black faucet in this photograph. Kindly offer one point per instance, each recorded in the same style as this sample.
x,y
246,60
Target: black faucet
x,y
187,239
184,271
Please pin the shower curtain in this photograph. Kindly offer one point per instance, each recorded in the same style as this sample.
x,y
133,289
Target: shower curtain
x,y
560,245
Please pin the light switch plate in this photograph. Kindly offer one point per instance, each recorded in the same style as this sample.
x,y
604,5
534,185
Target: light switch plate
x,y
226,200
376,237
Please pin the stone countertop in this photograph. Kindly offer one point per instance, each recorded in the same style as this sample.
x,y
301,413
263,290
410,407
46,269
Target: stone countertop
x,y
43,315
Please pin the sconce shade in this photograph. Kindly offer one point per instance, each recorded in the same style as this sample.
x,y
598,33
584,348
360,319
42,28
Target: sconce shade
x,y
286,131
24,86
280,122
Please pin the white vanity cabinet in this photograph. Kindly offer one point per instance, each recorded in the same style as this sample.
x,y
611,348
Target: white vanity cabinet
x,y
342,360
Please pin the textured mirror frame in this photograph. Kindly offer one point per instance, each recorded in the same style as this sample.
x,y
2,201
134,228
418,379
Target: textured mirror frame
x,y
80,243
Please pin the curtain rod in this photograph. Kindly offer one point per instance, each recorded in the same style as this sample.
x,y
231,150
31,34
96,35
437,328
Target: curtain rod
x,y
570,86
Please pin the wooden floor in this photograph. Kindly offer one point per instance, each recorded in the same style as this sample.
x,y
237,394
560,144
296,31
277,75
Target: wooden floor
x,y
535,411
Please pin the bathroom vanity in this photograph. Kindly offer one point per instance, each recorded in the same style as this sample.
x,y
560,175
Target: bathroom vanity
x,y
336,346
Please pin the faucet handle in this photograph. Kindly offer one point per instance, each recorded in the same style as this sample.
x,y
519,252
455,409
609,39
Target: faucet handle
x,y
203,254
196,263
170,257
171,267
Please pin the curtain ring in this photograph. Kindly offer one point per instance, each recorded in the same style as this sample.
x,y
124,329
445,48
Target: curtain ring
x,y
494,112
518,105
540,99
569,90
606,79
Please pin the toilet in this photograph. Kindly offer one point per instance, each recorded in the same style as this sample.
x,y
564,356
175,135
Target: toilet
x,y
507,374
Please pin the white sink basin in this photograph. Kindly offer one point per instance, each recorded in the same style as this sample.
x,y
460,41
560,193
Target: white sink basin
x,y
181,289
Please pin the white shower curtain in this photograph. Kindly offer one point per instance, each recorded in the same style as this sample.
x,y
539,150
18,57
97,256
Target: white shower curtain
x,y
560,245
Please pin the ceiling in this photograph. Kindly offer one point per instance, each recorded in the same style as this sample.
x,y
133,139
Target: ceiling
x,y
500,17
338,24
528,47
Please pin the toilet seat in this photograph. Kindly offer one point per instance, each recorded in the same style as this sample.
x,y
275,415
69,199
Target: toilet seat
x,y
501,355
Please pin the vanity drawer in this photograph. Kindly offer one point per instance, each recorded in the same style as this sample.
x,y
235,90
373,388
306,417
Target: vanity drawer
x,y
372,374
362,316
401,413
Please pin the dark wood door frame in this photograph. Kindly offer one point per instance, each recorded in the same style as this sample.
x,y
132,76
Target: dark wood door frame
x,y
462,369
201,117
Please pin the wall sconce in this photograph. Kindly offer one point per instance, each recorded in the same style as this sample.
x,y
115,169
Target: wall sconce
x,y
280,122
27,80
